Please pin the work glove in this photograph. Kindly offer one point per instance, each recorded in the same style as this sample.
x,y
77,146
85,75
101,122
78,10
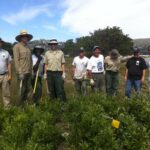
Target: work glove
x,y
21,76
92,82
45,76
64,75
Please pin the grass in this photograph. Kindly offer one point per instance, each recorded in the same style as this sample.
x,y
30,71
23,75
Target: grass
x,y
79,124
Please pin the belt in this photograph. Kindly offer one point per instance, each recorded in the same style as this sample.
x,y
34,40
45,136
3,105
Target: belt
x,y
54,71
98,73
3,73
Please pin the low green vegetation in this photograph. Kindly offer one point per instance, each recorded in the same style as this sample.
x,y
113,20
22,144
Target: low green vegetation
x,y
80,124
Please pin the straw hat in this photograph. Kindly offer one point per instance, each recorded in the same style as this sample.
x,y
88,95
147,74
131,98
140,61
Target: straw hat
x,y
23,33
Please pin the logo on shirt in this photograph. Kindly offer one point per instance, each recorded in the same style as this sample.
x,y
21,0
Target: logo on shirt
x,y
137,63
99,66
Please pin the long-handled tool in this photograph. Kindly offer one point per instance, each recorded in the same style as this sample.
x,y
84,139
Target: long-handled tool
x,y
36,80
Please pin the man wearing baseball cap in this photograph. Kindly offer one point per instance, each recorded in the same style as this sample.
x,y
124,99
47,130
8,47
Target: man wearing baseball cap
x,y
55,71
5,74
79,72
135,73
23,63
96,70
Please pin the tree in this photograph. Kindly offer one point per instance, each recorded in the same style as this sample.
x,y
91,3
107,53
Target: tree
x,y
69,46
112,38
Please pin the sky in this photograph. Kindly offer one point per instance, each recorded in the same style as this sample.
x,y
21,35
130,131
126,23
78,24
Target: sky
x,y
69,19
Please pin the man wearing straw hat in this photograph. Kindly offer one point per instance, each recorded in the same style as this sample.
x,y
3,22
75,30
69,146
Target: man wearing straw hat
x,y
5,74
55,71
37,73
23,63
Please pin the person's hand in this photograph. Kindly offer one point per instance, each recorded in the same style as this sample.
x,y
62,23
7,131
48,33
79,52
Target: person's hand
x,y
92,82
9,78
45,76
125,78
64,75
142,80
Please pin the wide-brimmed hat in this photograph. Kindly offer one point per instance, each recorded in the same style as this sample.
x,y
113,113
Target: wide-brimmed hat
x,y
53,41
24,33
114,53
1,40
38,47
95,47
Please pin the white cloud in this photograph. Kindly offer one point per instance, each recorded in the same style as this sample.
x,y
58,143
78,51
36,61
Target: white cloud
x,y
84,16
50,27
26,14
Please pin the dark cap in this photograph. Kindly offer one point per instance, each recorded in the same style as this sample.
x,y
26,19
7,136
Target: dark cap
x,y
136,49
95,47
38,47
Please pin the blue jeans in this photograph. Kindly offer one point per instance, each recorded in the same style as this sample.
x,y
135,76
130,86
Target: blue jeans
x,y
132,83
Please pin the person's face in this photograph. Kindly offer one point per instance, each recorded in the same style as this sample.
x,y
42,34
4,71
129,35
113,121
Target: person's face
x,y
53,46
137,54
96,52
38,52
24,40
81,54
1,43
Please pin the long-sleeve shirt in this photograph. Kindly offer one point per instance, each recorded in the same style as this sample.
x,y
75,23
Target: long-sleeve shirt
x,y
22,59
114,64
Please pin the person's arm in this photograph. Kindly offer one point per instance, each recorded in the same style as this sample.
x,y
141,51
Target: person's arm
x,y
45,66
63,66
125,59
9,71
144,71
143,76
126,75
16,58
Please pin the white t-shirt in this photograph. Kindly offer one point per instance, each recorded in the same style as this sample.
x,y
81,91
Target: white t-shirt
x,y
41,65
96,64
80,66
5,59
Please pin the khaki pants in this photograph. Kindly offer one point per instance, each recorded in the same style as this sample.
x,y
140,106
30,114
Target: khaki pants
x,y
5,85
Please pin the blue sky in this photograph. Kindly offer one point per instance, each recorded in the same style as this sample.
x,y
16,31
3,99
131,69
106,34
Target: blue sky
x,y
68,19
41,18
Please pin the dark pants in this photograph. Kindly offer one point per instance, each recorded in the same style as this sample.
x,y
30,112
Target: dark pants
x,y
132,83
99,80
38,91
56,85
24,85
81,86
112,82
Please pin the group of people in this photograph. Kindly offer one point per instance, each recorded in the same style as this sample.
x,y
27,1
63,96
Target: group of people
x,y
104,72
101,73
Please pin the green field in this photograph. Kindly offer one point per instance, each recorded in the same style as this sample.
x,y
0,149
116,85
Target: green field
x,y
82,123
